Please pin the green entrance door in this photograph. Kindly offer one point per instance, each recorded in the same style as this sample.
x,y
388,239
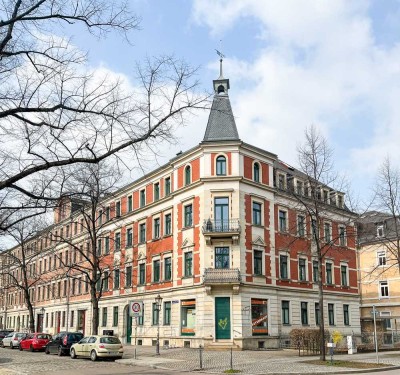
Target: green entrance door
x,y
128,327
222,318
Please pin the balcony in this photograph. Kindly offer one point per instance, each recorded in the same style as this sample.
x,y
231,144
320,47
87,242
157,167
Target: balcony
x,y
221,229
222,277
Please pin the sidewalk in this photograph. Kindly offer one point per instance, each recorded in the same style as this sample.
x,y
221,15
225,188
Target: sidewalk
x,y
248,362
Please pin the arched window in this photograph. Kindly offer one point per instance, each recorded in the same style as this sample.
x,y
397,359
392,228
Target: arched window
x,y
187,175
256,172
221,166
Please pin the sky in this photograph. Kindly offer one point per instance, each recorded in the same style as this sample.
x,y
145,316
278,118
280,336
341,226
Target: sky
x,y
291,63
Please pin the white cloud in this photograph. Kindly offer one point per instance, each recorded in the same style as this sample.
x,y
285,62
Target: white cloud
x,y
320,65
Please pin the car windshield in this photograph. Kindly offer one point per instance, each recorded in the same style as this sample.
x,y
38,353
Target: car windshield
x,y
110,340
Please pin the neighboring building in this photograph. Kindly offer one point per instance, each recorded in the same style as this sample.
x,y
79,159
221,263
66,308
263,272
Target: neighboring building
x,y
217,234
379,276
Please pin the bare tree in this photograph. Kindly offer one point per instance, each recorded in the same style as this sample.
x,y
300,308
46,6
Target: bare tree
x,y
18,271
55,112
313,198
91,255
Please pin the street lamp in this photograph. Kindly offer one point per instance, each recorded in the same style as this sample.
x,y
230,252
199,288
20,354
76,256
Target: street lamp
x,y
158,309
42,319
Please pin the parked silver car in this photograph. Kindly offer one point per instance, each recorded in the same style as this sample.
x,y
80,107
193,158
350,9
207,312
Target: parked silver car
x,y
12,340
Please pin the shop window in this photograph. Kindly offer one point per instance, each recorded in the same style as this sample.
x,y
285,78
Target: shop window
x,y
259,317
188,317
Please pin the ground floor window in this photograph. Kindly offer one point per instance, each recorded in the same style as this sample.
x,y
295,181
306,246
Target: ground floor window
x,y
188,317
259,316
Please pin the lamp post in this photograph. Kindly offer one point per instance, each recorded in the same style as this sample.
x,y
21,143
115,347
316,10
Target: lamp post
x,y
158,309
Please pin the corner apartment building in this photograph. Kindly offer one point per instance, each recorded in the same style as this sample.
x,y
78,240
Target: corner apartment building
x,y
218,235
379,275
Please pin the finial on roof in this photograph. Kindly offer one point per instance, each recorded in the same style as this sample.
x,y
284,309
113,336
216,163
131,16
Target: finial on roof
x,y
221,85
221,58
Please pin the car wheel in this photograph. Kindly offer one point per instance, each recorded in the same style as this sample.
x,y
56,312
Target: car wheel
x,y
31,349
73,354
60,351
93,355
11,345
47,351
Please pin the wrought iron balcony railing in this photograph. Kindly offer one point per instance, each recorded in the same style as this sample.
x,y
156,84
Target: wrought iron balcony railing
x,y
221,226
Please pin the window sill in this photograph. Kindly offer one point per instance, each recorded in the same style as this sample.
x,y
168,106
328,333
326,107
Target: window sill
x,y
156,239
284,279
257,225
188,277
188,227
167,235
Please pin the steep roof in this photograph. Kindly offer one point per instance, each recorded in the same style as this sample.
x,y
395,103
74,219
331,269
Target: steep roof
x,y
221,124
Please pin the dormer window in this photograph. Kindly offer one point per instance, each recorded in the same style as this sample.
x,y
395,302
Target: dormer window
x,y
379,230
299,187
340,201
281,181
325,196
221,166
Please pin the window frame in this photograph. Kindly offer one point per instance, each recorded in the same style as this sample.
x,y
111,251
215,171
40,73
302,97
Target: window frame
x,y
285,312
329,275
156,270
142,198
188,264
381,258
286,268
304,313
220,165
256,171
346,314
256,213
383,289
142,233
258,262
331,314
188,175
283,220
129,237
156,228
156,191
141,274
167,313
344,276
168,224
168,268
188,215
167,186
301,226
302,269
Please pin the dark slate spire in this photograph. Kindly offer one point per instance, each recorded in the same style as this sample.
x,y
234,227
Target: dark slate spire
x,y
221,123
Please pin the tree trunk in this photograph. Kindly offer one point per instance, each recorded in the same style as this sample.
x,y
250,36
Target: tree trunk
x,y
321,310
31,313
95,309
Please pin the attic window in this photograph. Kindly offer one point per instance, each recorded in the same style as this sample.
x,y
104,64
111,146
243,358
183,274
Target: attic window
x,y
379,231
220,89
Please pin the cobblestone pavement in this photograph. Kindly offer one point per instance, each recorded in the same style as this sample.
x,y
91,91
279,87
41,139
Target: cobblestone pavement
x,y
250,362
14,362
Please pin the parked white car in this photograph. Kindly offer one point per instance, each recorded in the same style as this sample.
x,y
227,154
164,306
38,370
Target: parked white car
x,y
12,340
98,347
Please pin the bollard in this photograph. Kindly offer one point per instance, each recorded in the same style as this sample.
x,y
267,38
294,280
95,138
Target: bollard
x,y
231,360
201,357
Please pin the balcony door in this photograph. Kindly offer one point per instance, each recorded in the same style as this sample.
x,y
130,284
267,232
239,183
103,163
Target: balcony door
x,y
221,210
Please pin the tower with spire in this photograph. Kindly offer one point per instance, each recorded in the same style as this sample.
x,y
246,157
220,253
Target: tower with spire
x,y
221,124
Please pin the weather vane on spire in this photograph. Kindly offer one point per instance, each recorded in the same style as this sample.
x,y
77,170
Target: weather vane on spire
x,y
221,55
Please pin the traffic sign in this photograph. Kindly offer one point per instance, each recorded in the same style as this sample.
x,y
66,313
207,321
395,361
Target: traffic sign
x,y
136,309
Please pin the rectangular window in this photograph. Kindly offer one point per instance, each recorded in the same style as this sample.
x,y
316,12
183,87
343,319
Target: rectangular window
x,y
188,215
142,198
283,266
379,231
384,288
189,263
342,236
156,271
346,315
156,191
116,279
256,213
315,234
302,269
282,221
117,241
343,275
300,187
71,320
115,316
387,322
155,316
222,257
285,312
167,313
107,245
167,269
130,204
304,313
156,228
301,226
118,209
168,224
142,274
107,213
316,310
142,233
129,237
259,316
315,271
128,276
104,318
258,269
281,181
327,232
329,279
331,314
381,258
167,186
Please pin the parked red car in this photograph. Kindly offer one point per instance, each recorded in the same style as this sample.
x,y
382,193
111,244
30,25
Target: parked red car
x,y
34,341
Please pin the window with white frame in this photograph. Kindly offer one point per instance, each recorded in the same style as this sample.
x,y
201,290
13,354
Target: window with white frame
x,y
344,278
301,225
329,272
342,236
387,322
299,187
281,181
302,269
282,220
256,172
379,230
381,256
283,266
327,232
256,213
383,289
